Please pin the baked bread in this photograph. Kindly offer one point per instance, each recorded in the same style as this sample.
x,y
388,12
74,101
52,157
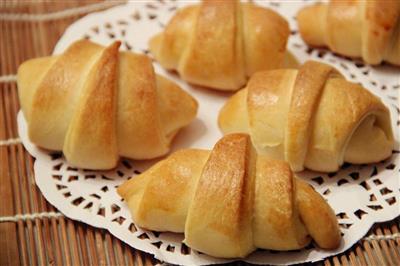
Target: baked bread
x,y
96,104
229,201
218,44
354,28
311,117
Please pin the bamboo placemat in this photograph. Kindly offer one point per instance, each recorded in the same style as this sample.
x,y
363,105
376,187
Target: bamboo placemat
x,y
32,232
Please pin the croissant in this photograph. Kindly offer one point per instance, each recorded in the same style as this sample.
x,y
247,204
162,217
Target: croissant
x,y
367,29
218,44
229,201
311,117
96,104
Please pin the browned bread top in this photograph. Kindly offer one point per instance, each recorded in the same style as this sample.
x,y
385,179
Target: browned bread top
x,y
230,201
96,104
219,44
312,117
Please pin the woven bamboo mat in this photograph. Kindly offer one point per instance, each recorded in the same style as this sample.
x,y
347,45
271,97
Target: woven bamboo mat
x,y
32,232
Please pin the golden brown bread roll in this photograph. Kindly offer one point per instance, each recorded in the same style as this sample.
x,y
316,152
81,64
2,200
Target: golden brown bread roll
x,y
219,44
355,28
96,104
229,201
311,117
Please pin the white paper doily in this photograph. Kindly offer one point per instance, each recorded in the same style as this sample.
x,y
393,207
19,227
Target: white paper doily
x,y
360,195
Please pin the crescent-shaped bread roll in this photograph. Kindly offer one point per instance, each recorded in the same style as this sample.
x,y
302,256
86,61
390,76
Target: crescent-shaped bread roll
x,y
96,104
218,44
367,29
229,201
311,117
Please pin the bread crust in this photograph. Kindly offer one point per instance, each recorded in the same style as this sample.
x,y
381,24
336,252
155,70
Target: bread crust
x,y
219,44
355,28
312,117
229,201
96,104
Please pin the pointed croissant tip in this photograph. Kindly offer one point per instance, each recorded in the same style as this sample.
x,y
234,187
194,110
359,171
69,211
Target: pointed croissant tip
x,y
123,190
116,44
154,44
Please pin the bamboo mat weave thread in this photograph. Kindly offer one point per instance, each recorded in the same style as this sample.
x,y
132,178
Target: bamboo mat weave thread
x,y
32,232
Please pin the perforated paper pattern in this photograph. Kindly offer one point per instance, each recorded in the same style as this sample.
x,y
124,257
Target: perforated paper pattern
x,y
360,194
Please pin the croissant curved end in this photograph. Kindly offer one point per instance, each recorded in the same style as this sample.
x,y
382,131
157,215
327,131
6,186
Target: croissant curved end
x,y
374,130
29,75
315,212
311,24
233,115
